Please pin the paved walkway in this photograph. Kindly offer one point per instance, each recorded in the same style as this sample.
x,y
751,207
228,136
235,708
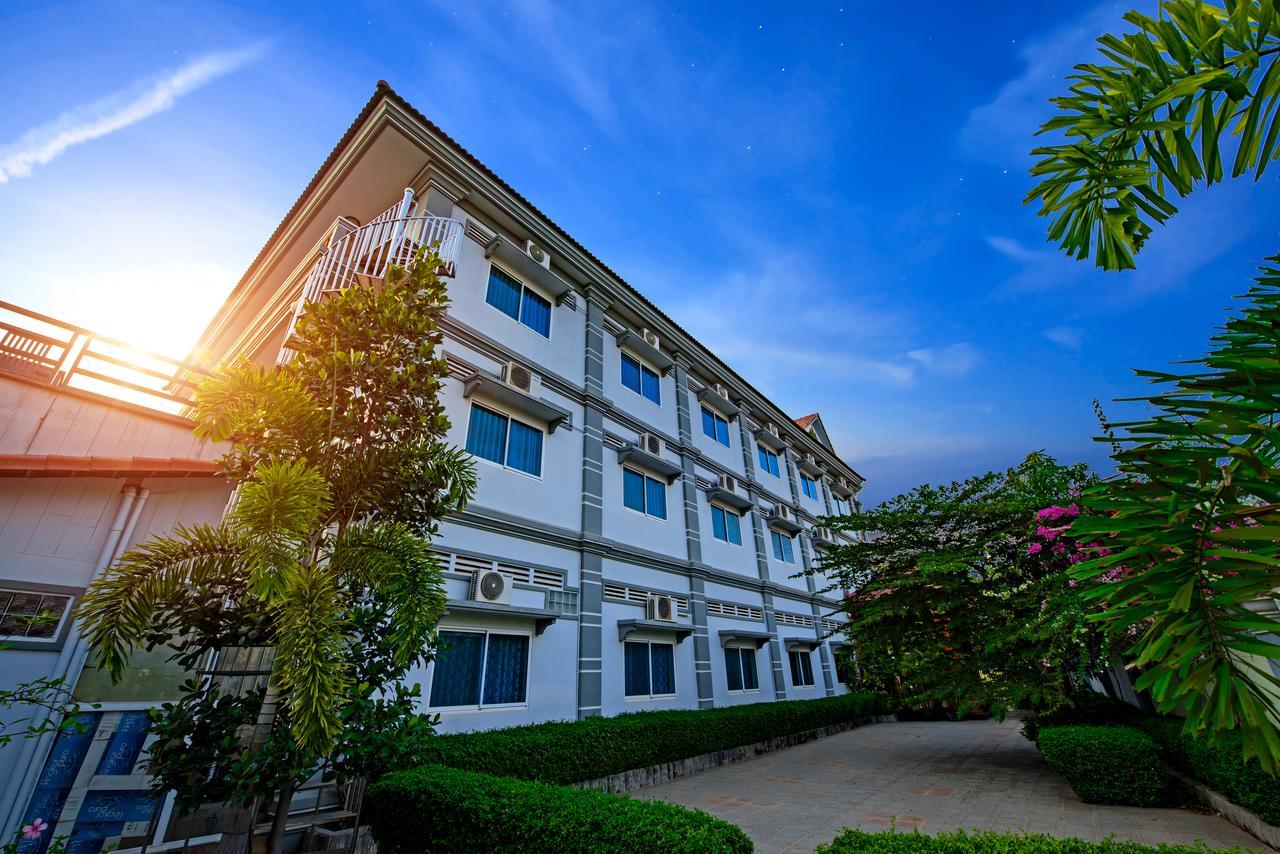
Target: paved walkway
x,y
933,776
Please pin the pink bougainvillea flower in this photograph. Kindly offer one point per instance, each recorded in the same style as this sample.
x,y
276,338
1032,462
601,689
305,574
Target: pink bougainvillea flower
x,y
33,830
1034,549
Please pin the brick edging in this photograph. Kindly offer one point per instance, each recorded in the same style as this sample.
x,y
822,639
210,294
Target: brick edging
x,y
1231,811
626,781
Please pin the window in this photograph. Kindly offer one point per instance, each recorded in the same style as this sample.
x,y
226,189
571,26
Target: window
x,y
494,437
517,301
842,506
842,668
809,486
31,615
801,668
726,525
640,379
715,426
768,461
650,670
782,549
740,667
643,494
477,669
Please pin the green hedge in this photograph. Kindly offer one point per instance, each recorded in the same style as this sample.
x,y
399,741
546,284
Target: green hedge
x,y
1220,766
443,809
583,750
986,842
1107,764
1087,709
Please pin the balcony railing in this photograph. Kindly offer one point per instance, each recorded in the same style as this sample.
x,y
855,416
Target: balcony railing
x,y
362,255
52,352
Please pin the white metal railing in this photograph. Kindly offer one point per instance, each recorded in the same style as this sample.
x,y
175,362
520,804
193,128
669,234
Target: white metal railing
x,y
366,252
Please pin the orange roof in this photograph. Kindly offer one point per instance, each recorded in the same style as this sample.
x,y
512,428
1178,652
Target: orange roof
x,y
807,421
59,465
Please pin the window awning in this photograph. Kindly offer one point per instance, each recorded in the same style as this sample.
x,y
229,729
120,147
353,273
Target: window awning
x,y
626,628
765,437
490,387
708,395
809,466
723,496
635,342
650,462
519,261
802,644
541,617
783,523
759,639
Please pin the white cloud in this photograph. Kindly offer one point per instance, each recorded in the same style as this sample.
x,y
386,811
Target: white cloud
x,y
953,360
43,143
1070,337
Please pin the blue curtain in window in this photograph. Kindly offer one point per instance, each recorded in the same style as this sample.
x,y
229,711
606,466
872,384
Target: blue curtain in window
x,y
505,668
708,423
768,460
487,434
637,669
734,525
630,373
718,524
525,449
722,431
535,313
633,490
663,659
649,385
788,556
456,677
655,497
733,667
749,669
503,293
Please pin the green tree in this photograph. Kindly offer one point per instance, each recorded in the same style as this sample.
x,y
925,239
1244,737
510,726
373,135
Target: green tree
x,y
1190,521
960,594
323,563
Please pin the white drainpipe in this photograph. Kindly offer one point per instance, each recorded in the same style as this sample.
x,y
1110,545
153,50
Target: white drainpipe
x,y
70,662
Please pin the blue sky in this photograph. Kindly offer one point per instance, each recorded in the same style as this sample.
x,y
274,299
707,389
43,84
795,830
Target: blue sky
x,y
830,198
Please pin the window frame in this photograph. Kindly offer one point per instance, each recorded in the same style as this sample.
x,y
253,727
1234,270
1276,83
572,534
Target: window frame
x,y
763,453
805,658
716,420
649,645
743,650
776,538
524,286
506,450
809,483
727,513
482,706
54,640
641,368
644,492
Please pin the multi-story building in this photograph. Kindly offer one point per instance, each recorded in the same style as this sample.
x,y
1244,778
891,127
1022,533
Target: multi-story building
x,y
643,515
638,539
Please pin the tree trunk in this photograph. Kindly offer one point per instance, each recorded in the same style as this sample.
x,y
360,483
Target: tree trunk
x,y
275,843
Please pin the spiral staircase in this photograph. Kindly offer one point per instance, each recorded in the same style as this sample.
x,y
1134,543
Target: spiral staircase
x,y
362,255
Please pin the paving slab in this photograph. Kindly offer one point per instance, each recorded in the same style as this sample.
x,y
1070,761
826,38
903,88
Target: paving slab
x,y
935,776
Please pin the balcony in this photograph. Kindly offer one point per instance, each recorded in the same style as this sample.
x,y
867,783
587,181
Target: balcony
x,y
361,255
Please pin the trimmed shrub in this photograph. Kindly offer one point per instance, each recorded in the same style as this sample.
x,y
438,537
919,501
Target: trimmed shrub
x,y
444,809
577,751
1107,764
987,842
1220,766
1088,709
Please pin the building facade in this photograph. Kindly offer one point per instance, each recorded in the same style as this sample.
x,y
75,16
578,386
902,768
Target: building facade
x,y
644,516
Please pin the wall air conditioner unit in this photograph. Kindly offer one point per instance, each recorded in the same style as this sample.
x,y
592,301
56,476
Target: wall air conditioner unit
x,y
489,585
813,461
782,511
537,253
650,444
773,428
721,390
728,483
661,608
824,534
519,377
650,338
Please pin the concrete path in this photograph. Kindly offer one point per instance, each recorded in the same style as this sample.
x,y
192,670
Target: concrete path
x,y
933,776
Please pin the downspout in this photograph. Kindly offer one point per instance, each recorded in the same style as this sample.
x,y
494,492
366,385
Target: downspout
x,y
70,662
